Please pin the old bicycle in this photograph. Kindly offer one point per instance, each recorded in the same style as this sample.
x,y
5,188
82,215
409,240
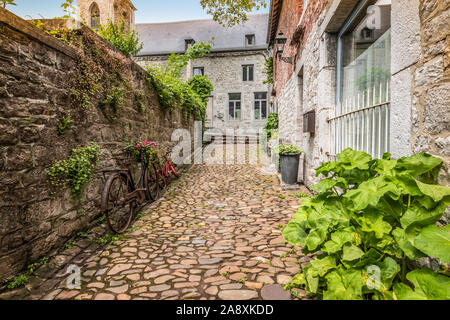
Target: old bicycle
x,y
121,195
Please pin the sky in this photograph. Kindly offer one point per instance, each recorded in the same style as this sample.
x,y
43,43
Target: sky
x,y
148,11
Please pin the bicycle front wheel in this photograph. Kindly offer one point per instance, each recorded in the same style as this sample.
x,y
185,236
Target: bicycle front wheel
x,y
151,182
117,208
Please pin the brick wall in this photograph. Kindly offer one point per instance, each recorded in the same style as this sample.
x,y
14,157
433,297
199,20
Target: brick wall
x,y
290,14
37,74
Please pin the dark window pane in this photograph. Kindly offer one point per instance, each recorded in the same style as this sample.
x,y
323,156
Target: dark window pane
x,y
264,109
231,110
250,73
235,96
244,73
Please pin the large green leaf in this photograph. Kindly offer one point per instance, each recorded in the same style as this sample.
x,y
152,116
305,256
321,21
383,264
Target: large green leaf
x,y
420,216
389,269
351,159
327,167
370,192
344,285
418,164
372,221
428,285
328,184
315,239
406,245
407,184
294,233
385,166
338,240
369,258
317,268
320,267
352,253
435,242
437,193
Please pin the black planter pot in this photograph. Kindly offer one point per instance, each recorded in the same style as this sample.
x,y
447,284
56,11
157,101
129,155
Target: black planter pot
x,y
289,168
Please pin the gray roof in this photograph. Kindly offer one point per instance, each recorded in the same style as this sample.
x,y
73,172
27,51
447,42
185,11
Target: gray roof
x,y
162,38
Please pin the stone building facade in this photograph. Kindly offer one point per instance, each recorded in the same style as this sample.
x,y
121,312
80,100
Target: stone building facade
x,y
235,66
95,12
375,74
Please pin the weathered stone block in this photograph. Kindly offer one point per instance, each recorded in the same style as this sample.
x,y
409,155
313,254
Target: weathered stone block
x,y
432,71
436,102
405,34
443,145
427,7
437,27
400,125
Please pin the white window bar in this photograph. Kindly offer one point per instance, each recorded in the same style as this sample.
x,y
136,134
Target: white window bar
x,y
364,122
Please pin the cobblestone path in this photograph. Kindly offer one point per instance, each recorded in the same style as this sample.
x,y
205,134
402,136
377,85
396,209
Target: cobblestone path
x,y
216,234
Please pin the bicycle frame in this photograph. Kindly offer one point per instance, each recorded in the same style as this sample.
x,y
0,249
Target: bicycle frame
x,y
167,167
137,193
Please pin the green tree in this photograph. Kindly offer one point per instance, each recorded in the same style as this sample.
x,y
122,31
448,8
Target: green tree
x,y
231,12
125,40
3,3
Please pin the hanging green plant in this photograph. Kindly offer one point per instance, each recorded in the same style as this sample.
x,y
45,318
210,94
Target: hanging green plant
x,y
76,171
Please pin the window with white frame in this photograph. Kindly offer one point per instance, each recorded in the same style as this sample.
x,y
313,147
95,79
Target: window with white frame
x,y
247,72
364,74
260,105
199,71
234,106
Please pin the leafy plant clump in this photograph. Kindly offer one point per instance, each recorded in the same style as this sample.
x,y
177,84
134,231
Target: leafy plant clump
x,y
173,92
373,77
113,103
127,41
202,86
146,152
63,125
22,279
290,149
369,222
268,70
271,125
76,171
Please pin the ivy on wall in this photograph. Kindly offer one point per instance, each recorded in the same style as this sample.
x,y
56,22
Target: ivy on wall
x,y
76,171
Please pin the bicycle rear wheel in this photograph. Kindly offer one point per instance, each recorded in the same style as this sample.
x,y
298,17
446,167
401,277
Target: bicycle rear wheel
x,y
118,210
151,182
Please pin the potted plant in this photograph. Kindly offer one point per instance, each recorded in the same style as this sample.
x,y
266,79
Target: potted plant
x,y
289,162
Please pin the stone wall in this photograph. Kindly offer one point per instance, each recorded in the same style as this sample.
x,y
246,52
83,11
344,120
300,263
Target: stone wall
x,y
110,10
41,80
430,124
224,69
420,98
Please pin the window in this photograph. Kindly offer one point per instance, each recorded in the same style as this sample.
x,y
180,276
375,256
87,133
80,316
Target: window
x,y
234,112
364,46
188,43
260,105
247,72
95,16
250,40
199,71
